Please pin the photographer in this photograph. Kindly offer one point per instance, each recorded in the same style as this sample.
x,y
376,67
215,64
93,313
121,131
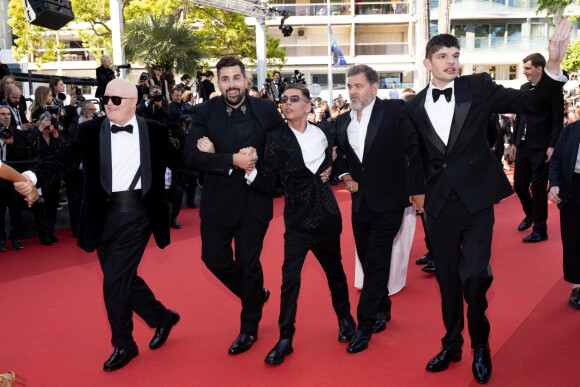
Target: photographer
x,y
46,140
13,151
176,108
56,86
19,121
185,82
264,92
206,87
142,87
276,86
157,79
155,107
105,74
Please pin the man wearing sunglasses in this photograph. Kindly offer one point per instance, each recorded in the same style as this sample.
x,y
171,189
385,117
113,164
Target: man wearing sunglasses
x,y
124,159
299,156
230,209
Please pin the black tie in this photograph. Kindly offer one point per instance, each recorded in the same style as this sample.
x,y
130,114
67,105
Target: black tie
x,y
117,129
447,92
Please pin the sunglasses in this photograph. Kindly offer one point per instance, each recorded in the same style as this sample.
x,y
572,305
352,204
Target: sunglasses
x,y
292,98
116,100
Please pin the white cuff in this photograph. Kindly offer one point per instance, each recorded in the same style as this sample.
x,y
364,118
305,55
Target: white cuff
x,y
250,178
340,176
31,175
560,77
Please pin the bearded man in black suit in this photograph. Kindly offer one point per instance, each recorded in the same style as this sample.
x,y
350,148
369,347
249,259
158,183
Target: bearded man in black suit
x,y
383,169
124,160
230,209
464,180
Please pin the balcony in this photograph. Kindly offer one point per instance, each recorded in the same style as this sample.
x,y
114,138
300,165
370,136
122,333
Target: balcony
x,y
346,8
525,44
70,55
381,49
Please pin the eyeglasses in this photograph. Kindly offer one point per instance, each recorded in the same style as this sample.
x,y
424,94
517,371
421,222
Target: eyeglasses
x,y
292,98
116,100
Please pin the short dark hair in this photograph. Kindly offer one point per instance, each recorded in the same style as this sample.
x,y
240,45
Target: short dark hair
x,y
154,87
209,73
537,60
438,41
276,72
303,89
230,61
185,76
371,74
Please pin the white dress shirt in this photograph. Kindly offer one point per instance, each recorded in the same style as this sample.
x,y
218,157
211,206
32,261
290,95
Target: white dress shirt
x,y
357,131
313,144
2,150
125,157
577,166
441,112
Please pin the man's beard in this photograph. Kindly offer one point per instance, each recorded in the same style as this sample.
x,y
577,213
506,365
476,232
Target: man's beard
x,y
359,104
13,104
235,100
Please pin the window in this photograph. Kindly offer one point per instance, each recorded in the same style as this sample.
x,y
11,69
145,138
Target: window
x,y
514,32
497,34
481,35
497,73
538,31
460,31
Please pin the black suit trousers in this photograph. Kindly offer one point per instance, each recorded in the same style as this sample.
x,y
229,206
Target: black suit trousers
x,y
570,226
242,276
462,249
531,167
12,200
324,241
74,181
120,250
374,233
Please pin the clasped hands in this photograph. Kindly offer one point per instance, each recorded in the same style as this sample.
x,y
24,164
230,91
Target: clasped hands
x,y
28,190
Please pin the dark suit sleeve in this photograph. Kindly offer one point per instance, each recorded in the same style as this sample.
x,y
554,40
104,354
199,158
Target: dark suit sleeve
x,y
413,152
556,160
214,163
557,118
268,172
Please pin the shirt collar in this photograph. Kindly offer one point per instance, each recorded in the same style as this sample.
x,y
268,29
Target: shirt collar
x,y
132,121
449,85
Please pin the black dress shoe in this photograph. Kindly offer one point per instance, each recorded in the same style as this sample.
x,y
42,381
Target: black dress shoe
x,y
381,321
346,327
481,366
277,354
45,241
162,333
430,267
526,223
424,259
359,342
16,244
120,358
265,295
174,223
574,300
441,361
53,239
243,343
2,246
535,237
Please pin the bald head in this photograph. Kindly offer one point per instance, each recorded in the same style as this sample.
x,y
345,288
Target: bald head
x,y
121,88
124,112
12,95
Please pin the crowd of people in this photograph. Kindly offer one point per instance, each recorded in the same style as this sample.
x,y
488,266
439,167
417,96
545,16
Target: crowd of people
x,y
154,143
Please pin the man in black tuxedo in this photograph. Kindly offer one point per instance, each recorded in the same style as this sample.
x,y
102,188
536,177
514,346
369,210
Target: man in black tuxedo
x,y
124,159
535,137
277,86
464,181
230,209
383,168
299,155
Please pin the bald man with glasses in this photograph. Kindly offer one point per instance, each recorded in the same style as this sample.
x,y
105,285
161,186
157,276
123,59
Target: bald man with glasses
x,y
124,159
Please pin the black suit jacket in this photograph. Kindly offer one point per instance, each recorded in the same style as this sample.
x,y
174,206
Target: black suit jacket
x,y
467,165
104,76
92,147
392,168
564,160
224,194
543,126
306,196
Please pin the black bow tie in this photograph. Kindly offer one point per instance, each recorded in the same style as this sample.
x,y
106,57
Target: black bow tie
x,y
126,128
447,92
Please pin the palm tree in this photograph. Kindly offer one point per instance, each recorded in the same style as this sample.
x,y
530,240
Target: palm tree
x,y
163,40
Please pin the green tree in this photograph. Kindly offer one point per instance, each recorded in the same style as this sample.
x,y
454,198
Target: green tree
x,y
163,40
572,60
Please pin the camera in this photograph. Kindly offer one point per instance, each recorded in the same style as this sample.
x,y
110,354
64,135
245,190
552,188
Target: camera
x,y
203,74
157,97
185,107
52,109
59,99
143,77
268,81
5,133
124,66
298,77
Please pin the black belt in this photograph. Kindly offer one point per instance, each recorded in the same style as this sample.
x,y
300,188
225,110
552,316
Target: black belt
x,y
126,201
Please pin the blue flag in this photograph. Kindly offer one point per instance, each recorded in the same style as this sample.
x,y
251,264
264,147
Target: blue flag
x,y
337,57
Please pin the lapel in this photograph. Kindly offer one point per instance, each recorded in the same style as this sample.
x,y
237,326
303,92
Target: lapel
x,y
342,126
463,98
375,121
574,144
145,148
105,156
424,122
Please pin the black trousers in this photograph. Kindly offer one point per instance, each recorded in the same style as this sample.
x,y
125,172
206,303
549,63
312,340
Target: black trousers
x,y
243,275
12,200
45,213
427,240
531,168
324,242
462,249
120,250
570,230
74,181
373,235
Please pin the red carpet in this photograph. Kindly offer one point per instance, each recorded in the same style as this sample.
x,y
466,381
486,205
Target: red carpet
x,y
55,330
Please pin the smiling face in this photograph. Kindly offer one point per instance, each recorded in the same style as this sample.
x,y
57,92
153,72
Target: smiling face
x,y
232,85
121,114
532,73
443,65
